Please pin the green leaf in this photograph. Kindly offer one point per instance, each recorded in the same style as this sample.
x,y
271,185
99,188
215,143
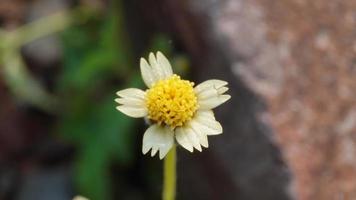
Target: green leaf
x,y
91,172
103,135
95,54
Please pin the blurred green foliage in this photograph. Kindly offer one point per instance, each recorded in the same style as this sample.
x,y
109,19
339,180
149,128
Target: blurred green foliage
x,y
95,54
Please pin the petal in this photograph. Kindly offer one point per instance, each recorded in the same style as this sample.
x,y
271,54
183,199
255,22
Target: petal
x,y
133,102
189,138
222,90
155,67
213,83
205,121
154,151
79,198
203,138
164,64
182,139
147,73
158,138
192,136
207,104
211,94
130,102
208,93
131,93
132,111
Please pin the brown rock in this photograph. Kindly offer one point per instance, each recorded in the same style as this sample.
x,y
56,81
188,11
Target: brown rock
x,y
314,114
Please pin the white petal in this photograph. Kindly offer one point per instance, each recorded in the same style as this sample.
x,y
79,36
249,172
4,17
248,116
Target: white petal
x,y
155,67
183,139
213,83
154,151
210,103
147,73
79,198
203,138
131,93
210,94
133,111
190,138
131,102
164,64
205,121
222,90
158,138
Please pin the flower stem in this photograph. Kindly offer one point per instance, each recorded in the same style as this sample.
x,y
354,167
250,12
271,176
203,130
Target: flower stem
x,y
169,182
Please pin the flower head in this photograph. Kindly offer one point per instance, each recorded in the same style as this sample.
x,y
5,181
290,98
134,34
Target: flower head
x,y
174,106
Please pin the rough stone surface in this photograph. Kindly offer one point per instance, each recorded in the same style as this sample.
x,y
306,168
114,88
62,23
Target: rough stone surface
x,y
314,114
290,128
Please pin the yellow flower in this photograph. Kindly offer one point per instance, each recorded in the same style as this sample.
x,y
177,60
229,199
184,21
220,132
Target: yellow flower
x,y
175,108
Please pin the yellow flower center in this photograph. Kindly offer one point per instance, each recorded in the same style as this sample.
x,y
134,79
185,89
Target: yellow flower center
x,y
171,101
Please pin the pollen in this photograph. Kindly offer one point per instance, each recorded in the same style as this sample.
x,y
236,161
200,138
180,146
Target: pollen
x,y
171,102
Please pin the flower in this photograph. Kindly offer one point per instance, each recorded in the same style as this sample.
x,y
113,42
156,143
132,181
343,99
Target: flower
x,y
175,108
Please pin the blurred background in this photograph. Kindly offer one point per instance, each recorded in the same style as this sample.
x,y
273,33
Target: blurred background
x,y
289,129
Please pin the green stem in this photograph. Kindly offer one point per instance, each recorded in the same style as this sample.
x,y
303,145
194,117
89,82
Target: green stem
x,y
169,183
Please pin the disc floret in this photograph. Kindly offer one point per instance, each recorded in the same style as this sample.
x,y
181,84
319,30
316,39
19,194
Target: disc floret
x,y
171,102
